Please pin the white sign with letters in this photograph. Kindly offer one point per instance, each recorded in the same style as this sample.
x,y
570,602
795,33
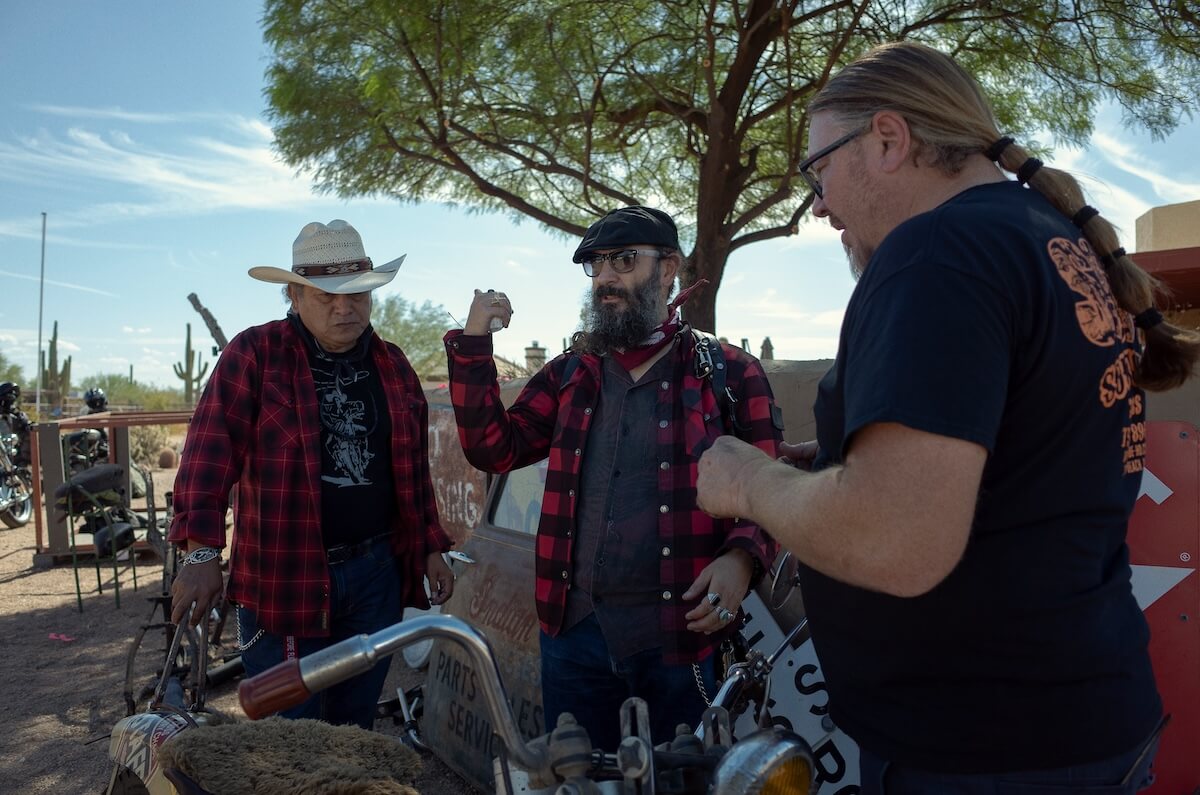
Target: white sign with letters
x,y
799,701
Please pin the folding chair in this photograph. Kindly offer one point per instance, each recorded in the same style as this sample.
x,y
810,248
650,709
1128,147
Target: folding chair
x,y
96,496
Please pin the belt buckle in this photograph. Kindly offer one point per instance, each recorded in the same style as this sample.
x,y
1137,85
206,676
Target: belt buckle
x,y
339,554
343,552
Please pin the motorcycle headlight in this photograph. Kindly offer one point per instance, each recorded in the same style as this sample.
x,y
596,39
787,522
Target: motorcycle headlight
x,y
768,762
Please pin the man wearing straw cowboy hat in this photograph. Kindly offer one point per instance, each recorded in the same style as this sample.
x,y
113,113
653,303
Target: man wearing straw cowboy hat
x,y
323,428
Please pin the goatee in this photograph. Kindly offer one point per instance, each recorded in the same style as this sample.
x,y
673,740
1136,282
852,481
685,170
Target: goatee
x,y
859,257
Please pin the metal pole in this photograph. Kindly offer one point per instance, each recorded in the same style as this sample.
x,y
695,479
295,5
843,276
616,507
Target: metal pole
x,y
41,290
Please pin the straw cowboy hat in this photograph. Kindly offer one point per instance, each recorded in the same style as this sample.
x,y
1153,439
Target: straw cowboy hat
x,y
330,257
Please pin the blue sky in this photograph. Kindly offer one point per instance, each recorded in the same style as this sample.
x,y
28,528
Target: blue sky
x,y
138,127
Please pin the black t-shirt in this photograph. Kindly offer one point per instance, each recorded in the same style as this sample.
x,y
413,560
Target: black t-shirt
x,y
358,496
989,319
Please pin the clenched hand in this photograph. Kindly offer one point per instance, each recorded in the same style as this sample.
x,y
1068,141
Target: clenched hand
x,y
725,471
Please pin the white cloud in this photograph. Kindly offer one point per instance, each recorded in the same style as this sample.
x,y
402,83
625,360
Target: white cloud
x,y
1124,157
831,318
232,167
119,114
518,268
811,231
1122,206
68,285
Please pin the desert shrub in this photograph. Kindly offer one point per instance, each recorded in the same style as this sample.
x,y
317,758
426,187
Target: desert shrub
x,y
145,443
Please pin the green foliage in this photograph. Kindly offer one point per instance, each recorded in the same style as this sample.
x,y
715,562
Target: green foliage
x,y
122,392
145,443
560,110
418,330
190,371
11,371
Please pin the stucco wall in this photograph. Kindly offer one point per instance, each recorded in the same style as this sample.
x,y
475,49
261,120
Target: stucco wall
x,y
1168,227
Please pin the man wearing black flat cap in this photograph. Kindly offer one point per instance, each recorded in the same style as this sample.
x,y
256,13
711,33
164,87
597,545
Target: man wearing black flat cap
x,y
635,586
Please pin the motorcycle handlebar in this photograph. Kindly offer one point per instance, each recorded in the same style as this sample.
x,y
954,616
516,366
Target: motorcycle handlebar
x,y
293,681
274,690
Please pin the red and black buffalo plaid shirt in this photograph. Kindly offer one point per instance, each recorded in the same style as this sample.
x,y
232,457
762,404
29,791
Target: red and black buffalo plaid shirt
x,y
257,425
551,418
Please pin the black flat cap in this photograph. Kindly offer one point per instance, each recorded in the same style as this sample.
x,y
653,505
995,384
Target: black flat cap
x,y
626,226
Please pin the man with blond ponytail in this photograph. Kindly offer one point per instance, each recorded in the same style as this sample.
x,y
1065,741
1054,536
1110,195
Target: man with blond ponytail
x,y
961,517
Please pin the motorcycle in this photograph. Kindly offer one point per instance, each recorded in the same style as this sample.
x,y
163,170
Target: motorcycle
x,y
83,449
16,476
708,761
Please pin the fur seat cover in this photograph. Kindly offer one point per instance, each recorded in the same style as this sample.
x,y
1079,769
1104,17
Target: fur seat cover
x,y
296,757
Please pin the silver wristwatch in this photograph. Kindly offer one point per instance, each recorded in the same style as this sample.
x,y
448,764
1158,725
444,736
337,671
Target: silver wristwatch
x,y
201,555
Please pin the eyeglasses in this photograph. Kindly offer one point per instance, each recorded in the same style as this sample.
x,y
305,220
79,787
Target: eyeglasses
x,y
619,261
806,167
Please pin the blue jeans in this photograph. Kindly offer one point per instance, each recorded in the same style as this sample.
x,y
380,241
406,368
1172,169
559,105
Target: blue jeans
x,y
365,599
579,676
1119,775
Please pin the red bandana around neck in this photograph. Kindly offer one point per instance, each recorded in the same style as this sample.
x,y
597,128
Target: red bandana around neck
x,y
630,358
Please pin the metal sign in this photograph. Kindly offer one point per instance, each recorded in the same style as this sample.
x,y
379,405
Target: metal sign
x,y
1164,547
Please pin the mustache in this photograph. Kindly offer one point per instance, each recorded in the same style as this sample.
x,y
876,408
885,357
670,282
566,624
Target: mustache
x,y
606,290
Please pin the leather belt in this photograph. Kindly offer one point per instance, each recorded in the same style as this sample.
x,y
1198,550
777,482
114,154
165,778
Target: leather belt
x,y
344,552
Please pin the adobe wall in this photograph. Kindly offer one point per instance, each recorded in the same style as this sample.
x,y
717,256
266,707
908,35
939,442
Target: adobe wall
x,y
795,386
1168,227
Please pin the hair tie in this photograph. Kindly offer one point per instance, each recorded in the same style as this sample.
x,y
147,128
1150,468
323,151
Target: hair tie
x,y
1148,318
1028,169
994,151
1110,259
1086,213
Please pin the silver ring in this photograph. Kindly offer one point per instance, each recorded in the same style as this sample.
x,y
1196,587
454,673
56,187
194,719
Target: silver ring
x,y
714,598
723,614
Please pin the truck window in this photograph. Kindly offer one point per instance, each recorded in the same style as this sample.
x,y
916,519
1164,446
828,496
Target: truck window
x,y
519,505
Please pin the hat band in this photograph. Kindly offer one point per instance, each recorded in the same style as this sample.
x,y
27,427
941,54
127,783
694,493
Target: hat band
x,y
333,268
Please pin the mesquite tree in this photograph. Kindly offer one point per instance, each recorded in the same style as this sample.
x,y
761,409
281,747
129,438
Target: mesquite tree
x,y
562,110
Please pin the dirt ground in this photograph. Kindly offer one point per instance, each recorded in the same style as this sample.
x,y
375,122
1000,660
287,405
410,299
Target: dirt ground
x,y
62,671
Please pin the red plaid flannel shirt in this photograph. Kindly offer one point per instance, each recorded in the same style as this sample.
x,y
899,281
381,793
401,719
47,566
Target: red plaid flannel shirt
x,y
550,418
257,425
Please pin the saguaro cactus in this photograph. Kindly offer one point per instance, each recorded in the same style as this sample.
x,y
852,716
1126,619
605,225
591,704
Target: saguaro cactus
x,y
190,370
56,383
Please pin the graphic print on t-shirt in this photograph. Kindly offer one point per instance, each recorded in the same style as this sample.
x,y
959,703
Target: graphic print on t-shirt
x,y
1104,324
1100,319
346,421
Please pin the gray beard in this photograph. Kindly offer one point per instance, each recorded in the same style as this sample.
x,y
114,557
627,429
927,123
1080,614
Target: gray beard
x,y
858,264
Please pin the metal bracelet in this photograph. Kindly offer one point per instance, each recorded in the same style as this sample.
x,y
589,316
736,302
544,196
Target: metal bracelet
x,y
201,555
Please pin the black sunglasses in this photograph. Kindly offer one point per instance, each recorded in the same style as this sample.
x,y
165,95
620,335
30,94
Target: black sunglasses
x,y
806,167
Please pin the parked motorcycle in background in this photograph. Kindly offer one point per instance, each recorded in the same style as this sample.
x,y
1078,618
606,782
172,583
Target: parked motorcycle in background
x,y
16,476
86,447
